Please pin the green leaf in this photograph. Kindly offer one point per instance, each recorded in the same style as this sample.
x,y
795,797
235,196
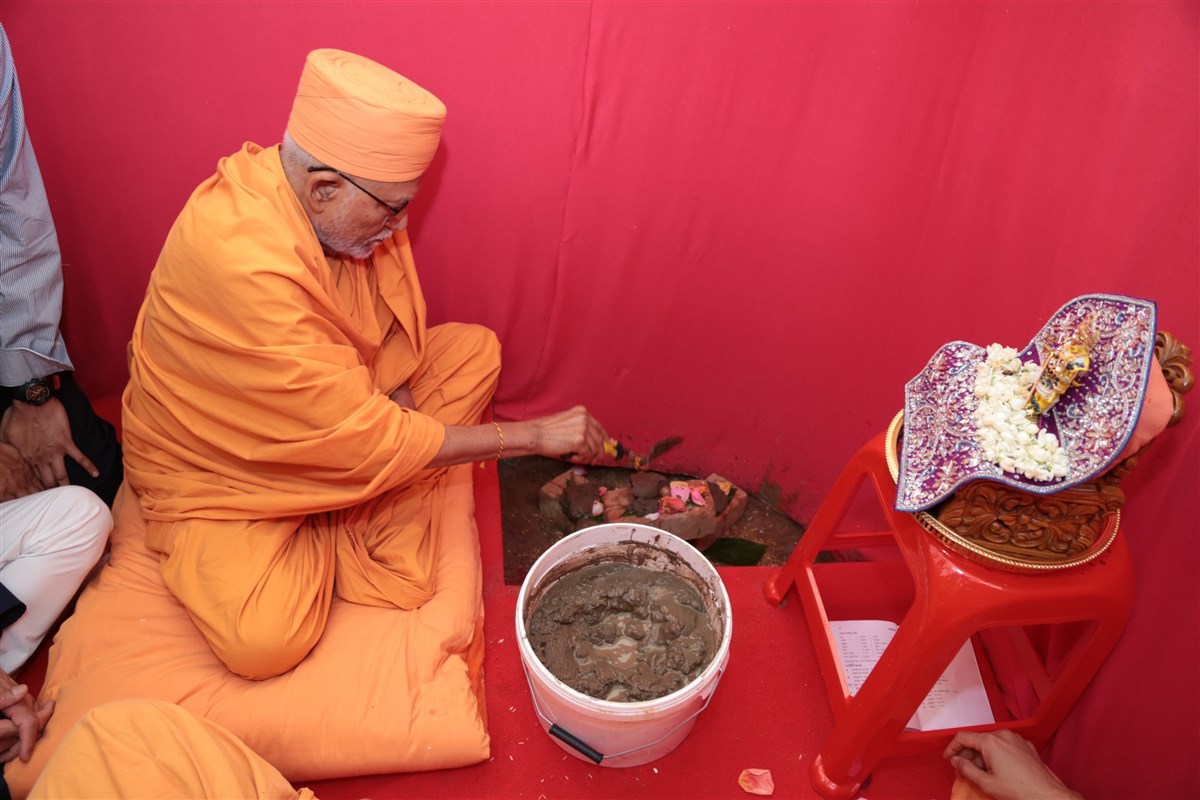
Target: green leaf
x,y
735,552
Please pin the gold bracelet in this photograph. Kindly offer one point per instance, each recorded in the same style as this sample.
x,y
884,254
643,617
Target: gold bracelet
x,y
500,432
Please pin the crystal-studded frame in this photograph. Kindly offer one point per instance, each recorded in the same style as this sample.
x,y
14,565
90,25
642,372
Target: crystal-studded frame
x,y
1094,420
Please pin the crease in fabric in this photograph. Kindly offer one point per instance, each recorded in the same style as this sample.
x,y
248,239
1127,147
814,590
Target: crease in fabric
x,y
582,137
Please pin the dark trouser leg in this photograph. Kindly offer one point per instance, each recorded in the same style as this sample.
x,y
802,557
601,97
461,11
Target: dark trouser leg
x,y
97,439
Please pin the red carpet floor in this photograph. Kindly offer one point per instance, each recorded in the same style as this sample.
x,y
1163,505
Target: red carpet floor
x,y
769,712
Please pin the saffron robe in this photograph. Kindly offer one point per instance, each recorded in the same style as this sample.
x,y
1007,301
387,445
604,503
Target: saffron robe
x,y
270,463
148,748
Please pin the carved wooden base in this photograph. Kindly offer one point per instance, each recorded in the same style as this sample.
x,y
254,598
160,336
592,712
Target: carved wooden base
x,y
1034,527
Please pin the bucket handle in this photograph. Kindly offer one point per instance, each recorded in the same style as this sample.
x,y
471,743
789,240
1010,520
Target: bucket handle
x,y
592,753
576,742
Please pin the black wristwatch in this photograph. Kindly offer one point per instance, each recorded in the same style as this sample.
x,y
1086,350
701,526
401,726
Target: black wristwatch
x,y
37,391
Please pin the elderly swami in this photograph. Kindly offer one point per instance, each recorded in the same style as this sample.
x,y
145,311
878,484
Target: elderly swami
x,y
289,411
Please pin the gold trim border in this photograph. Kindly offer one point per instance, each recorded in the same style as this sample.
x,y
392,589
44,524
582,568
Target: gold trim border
x,y
949,536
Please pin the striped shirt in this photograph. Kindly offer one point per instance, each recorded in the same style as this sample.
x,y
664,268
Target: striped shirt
x,y
31,345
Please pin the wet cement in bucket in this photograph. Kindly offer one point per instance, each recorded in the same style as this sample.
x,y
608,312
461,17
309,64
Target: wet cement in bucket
x,y
620,632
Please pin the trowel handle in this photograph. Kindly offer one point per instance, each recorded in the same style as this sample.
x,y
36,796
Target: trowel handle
x,y
612,449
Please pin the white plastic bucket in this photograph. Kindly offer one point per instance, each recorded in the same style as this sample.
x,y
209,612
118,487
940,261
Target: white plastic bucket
x,y
622,734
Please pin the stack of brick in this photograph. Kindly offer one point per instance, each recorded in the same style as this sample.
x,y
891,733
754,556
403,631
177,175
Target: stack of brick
x,y
570,502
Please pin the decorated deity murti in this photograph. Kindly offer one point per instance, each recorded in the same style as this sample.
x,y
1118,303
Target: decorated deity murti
x,y
1065,368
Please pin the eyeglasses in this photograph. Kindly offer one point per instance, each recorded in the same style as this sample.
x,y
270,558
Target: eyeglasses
x,y
393,211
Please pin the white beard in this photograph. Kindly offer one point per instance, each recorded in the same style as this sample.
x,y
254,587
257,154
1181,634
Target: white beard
x,y
334,239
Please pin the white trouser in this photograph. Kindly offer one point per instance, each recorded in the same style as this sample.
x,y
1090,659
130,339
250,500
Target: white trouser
x,y
49,541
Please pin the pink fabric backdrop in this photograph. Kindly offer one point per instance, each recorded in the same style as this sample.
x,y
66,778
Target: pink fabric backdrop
x,y
747,224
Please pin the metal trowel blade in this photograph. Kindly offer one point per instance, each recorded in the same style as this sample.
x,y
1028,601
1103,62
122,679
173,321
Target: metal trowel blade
x,y
663,446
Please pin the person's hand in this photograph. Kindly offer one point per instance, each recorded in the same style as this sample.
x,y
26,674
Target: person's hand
x,y
1005,766
16,478
42,435
573,434
21,720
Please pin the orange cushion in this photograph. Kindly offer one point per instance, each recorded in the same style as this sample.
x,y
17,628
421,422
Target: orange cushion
x,y
383,691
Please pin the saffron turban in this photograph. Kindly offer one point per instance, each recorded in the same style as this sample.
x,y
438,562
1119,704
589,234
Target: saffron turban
x,y
362,118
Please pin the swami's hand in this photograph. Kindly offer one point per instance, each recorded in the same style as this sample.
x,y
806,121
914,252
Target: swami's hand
x,y
21,720
42,435
573,434
16,478
1005,766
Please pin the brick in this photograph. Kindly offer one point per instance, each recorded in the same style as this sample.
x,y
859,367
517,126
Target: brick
x,y
646,484
578,499
737,506
550,502
616,498
720,498
643,506
685,526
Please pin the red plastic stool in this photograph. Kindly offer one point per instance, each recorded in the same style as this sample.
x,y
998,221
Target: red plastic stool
x,y
941,599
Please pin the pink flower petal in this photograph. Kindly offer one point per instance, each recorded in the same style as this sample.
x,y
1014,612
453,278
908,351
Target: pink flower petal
x,y
671,505
757,781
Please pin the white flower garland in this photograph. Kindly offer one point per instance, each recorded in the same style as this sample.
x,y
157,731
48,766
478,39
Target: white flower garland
x,y
1007,426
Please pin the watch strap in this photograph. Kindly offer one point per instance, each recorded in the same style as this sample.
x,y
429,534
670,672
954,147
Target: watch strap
x,y
37,391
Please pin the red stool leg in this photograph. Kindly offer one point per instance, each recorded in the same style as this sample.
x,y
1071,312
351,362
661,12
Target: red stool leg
x,y
869,725
954,599
827,519
1101,593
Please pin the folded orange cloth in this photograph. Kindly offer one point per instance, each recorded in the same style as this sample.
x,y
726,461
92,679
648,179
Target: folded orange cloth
x,y
259,432
963,789
148,748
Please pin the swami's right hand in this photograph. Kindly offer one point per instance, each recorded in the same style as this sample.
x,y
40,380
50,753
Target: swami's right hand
x,y
573,434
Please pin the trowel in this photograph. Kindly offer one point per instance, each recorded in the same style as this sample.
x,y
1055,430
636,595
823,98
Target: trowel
x,y
615,449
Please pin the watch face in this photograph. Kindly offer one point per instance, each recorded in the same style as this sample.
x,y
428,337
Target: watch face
x,y
37,393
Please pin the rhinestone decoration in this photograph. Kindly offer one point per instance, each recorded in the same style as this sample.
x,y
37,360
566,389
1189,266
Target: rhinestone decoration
x,y
1093,421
